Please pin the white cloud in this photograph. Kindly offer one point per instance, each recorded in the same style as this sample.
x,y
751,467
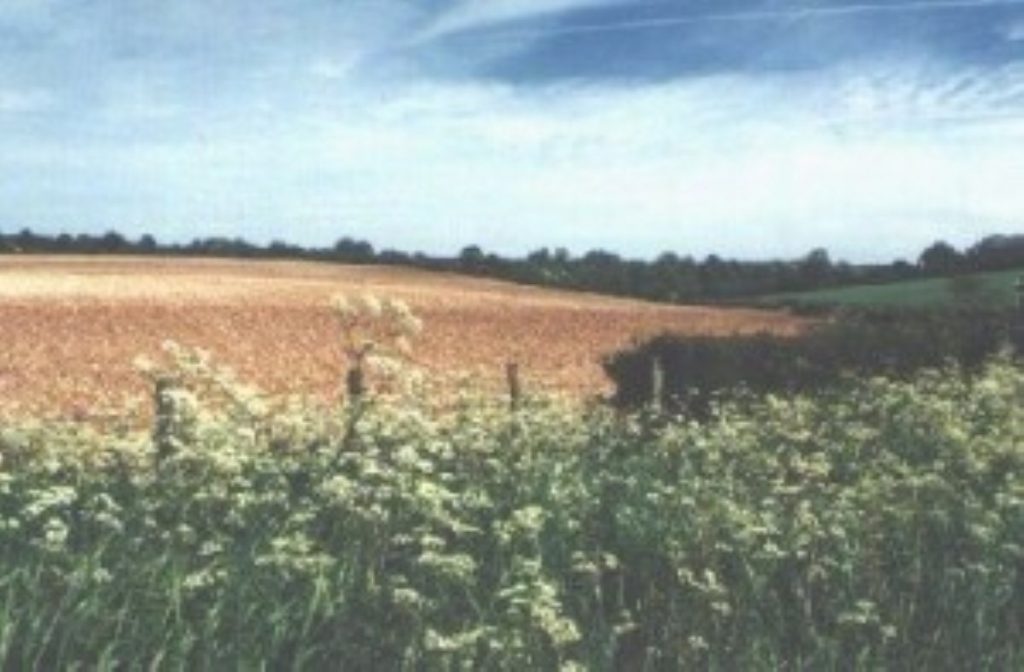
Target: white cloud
x,y
872,159
771,166
480,13
473,14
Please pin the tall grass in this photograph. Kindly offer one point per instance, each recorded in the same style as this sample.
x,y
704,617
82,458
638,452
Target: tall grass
x,y
875,527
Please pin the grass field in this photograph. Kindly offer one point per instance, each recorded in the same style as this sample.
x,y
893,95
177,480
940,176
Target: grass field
x,y
71,326
989,289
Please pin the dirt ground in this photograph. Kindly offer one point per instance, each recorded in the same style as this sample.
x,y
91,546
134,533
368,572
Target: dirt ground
x,y
70,327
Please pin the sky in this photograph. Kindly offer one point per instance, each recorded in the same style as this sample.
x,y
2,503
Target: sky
x,y
746,128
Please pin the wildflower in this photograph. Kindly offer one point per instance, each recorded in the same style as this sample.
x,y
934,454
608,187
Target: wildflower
x,y
371,305
344,308
210,548
198,580
55,534
697,643
144,365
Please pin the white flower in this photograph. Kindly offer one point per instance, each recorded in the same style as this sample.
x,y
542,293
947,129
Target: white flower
x,y
101,575
55,534
371,305
144,364
344,308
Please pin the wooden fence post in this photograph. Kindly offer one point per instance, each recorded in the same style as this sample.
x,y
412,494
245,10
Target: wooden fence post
x,y
657,383
515,388
355,383
1018,321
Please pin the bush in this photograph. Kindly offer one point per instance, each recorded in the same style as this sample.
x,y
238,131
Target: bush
x,y
874,527
863,342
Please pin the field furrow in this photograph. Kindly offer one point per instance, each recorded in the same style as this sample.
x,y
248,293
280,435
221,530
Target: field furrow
x,y
70,327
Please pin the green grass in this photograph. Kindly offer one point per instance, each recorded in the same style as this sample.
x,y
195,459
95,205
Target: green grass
x,y
994,289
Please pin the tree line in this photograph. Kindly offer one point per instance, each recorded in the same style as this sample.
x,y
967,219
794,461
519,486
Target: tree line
x,y
669,277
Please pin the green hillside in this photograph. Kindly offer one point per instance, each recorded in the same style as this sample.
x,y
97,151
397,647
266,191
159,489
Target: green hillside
x,y
994,289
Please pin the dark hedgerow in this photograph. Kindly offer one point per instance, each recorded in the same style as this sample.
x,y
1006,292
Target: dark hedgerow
x,y
861,342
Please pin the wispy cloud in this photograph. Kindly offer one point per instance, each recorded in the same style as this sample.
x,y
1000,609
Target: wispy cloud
x,y
296,119
774,165
469,15
791,13
483,19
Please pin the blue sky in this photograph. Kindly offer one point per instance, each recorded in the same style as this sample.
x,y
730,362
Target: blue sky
x,y
749,128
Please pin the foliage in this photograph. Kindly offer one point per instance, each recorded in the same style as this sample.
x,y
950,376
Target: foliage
x,y
860,342
875,527
670,277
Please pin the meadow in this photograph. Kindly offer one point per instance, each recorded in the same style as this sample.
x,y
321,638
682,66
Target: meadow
x,y
993,290
71,326
877,525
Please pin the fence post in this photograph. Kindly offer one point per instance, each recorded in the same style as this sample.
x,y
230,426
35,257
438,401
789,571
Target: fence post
x,y
657,383
515,389
1018,321
355,383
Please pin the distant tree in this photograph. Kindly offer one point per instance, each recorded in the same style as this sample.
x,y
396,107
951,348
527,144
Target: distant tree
x,y
147,244
395,257
714,277
996,253
26,241
816,268
671,278
65,242
112,242
902,269
347,249
940,258
219,246
279,249
605,272
6,246
472,259
601,259
541,257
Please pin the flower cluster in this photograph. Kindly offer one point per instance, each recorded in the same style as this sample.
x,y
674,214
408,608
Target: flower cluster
x,y
377,335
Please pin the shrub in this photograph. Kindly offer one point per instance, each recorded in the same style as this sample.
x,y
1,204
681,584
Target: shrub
x,y
892,343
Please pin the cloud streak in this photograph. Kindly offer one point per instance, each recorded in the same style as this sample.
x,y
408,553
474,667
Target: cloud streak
x,y
475,14
747,16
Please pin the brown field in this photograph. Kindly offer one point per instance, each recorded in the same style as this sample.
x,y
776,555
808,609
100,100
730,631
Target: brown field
x,y
70,327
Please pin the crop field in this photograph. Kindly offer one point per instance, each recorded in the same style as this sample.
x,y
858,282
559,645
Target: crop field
x,y
70,327
994,289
